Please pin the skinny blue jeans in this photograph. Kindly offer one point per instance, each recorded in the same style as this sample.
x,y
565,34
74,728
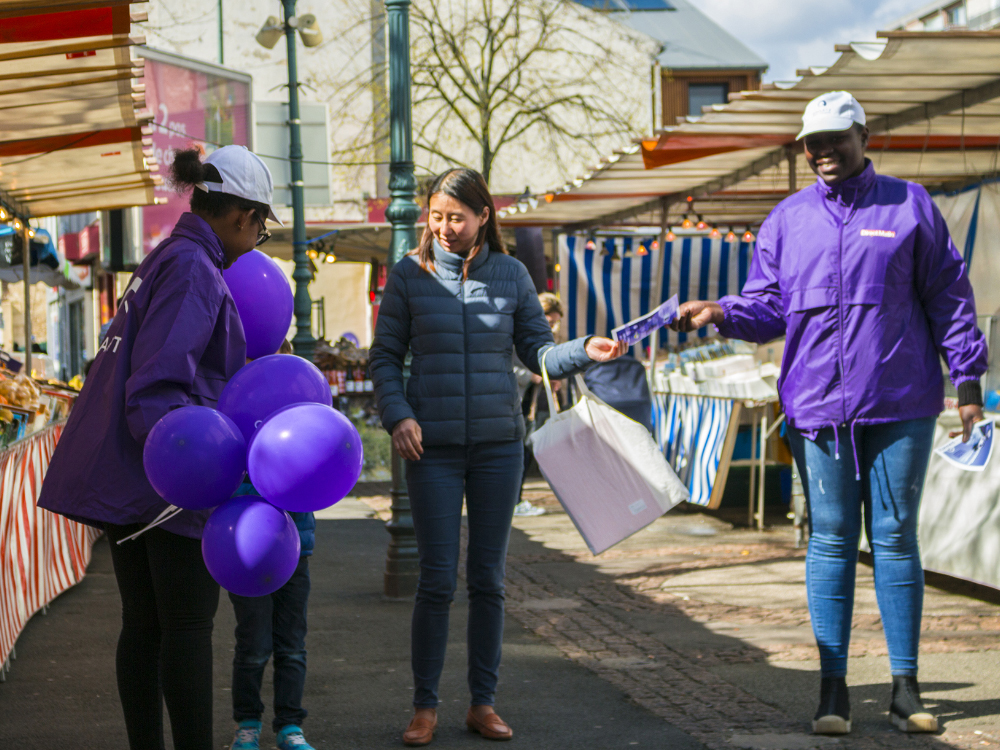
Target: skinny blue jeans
x,y
892,461
489,477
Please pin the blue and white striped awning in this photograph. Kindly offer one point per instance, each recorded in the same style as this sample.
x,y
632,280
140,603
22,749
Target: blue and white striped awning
x,y
606,281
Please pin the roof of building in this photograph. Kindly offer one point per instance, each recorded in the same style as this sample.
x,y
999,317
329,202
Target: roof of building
x,y
627,4
691,40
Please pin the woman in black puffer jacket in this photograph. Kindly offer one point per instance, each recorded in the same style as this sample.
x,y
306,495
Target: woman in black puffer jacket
x,y
462,306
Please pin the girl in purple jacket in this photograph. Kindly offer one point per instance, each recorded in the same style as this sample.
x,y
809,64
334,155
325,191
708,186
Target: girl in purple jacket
x,y
175,340
859,272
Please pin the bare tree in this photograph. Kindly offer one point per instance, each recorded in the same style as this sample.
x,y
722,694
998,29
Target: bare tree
x,y
504,82
500,70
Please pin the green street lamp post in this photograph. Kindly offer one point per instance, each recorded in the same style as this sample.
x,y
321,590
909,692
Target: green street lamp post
x,y
272,31
303,342
401,564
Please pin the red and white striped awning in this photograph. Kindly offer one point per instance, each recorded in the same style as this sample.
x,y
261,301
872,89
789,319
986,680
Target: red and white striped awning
x,y
72,108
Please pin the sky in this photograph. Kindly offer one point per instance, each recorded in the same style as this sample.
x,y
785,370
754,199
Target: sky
x,y
792,34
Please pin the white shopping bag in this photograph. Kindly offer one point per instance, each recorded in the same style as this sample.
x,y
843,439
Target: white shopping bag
x,y
605,469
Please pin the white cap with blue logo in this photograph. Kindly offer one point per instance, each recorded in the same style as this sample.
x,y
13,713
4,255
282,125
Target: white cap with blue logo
x,y
832,111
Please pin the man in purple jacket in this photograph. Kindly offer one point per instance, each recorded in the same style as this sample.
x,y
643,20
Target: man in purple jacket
x,y
858,271
176,339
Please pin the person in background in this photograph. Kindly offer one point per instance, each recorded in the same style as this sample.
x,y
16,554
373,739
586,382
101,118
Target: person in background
x,y
460,304
859,272
273,625
534,405
175,341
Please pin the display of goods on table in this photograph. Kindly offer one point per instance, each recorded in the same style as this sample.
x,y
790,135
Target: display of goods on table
x,y
721,369
28,405
345,367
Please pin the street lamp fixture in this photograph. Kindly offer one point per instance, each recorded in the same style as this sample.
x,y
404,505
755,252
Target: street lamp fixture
x,y
273,29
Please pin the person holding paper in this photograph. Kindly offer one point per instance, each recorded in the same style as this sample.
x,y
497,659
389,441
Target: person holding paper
x,y
858,271
462,306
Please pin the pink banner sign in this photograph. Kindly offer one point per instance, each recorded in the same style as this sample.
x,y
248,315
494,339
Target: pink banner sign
x,y
191,107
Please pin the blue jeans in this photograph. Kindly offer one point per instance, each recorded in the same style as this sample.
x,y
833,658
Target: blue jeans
x,y
489,475
893,460
272,624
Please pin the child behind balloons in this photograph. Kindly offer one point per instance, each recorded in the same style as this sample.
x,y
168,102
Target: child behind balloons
x,y
273,625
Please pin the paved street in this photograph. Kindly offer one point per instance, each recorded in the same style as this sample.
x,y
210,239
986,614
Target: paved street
x,y
707,626
689,635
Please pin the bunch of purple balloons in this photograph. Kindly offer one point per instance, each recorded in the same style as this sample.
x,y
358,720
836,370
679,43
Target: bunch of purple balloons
x,y
275,419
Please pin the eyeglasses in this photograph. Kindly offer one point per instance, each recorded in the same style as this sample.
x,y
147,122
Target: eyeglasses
x,y
263,235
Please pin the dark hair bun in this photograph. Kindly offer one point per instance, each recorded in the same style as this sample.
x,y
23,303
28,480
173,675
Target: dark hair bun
x,y
186,171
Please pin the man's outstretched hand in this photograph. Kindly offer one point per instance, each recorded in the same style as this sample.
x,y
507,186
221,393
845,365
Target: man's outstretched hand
x,y
697,314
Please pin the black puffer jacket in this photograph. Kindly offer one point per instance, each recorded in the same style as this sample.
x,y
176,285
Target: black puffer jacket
x,y
462,335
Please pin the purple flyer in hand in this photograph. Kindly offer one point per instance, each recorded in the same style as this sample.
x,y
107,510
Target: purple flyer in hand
x,y
640,328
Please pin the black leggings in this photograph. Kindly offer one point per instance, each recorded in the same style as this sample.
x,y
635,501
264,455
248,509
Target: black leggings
x,y
165,647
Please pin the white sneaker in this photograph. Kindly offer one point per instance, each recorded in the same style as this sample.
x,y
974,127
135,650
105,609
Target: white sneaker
x,y
524,508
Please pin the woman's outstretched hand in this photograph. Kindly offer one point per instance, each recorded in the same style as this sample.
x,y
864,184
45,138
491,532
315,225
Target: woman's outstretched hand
x,y
605,350
697,314
407,439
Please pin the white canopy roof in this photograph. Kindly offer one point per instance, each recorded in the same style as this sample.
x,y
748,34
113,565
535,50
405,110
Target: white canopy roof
x,y
933,106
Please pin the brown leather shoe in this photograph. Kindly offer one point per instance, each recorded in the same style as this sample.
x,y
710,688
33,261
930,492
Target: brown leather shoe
x,y
490,726
421,728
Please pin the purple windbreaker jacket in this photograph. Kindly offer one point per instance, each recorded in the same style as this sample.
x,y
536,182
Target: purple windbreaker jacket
x,y
176,340
866,284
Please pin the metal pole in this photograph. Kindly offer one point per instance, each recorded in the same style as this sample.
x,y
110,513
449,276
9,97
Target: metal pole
x,y
764,433
753,464
401,564
26,266
303,342
222,49
654,339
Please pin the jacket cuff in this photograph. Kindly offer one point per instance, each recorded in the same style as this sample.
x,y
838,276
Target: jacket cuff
x,y
393,415
578,354
970,392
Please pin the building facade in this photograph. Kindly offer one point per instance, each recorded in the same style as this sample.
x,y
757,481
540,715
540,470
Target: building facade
x,y
974,15
699,64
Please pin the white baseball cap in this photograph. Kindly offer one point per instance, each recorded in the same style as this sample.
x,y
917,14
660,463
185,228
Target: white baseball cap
x,y
834,110
243,174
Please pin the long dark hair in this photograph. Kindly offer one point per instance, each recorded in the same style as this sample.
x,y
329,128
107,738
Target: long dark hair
x,y
188,170
468,187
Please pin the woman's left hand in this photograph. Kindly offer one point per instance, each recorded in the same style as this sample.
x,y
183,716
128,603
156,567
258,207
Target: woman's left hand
x,y
970,414
605,350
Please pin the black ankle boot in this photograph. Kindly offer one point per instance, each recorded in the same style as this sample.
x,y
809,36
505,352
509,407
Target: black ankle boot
x,y
907,710
834,713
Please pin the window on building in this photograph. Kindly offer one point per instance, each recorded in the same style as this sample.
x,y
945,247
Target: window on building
x,y
934,22
705,94
956,15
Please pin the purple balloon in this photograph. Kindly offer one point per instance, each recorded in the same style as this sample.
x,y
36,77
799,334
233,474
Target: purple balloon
x,y
264,300
270,383
250,547
195,457
305,457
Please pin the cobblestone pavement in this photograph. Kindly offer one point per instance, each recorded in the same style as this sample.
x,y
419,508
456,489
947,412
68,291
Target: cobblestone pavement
x,y
707,627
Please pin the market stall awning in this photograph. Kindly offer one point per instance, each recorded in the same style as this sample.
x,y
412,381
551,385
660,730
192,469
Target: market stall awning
x,y
933,105
350,242
72,108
